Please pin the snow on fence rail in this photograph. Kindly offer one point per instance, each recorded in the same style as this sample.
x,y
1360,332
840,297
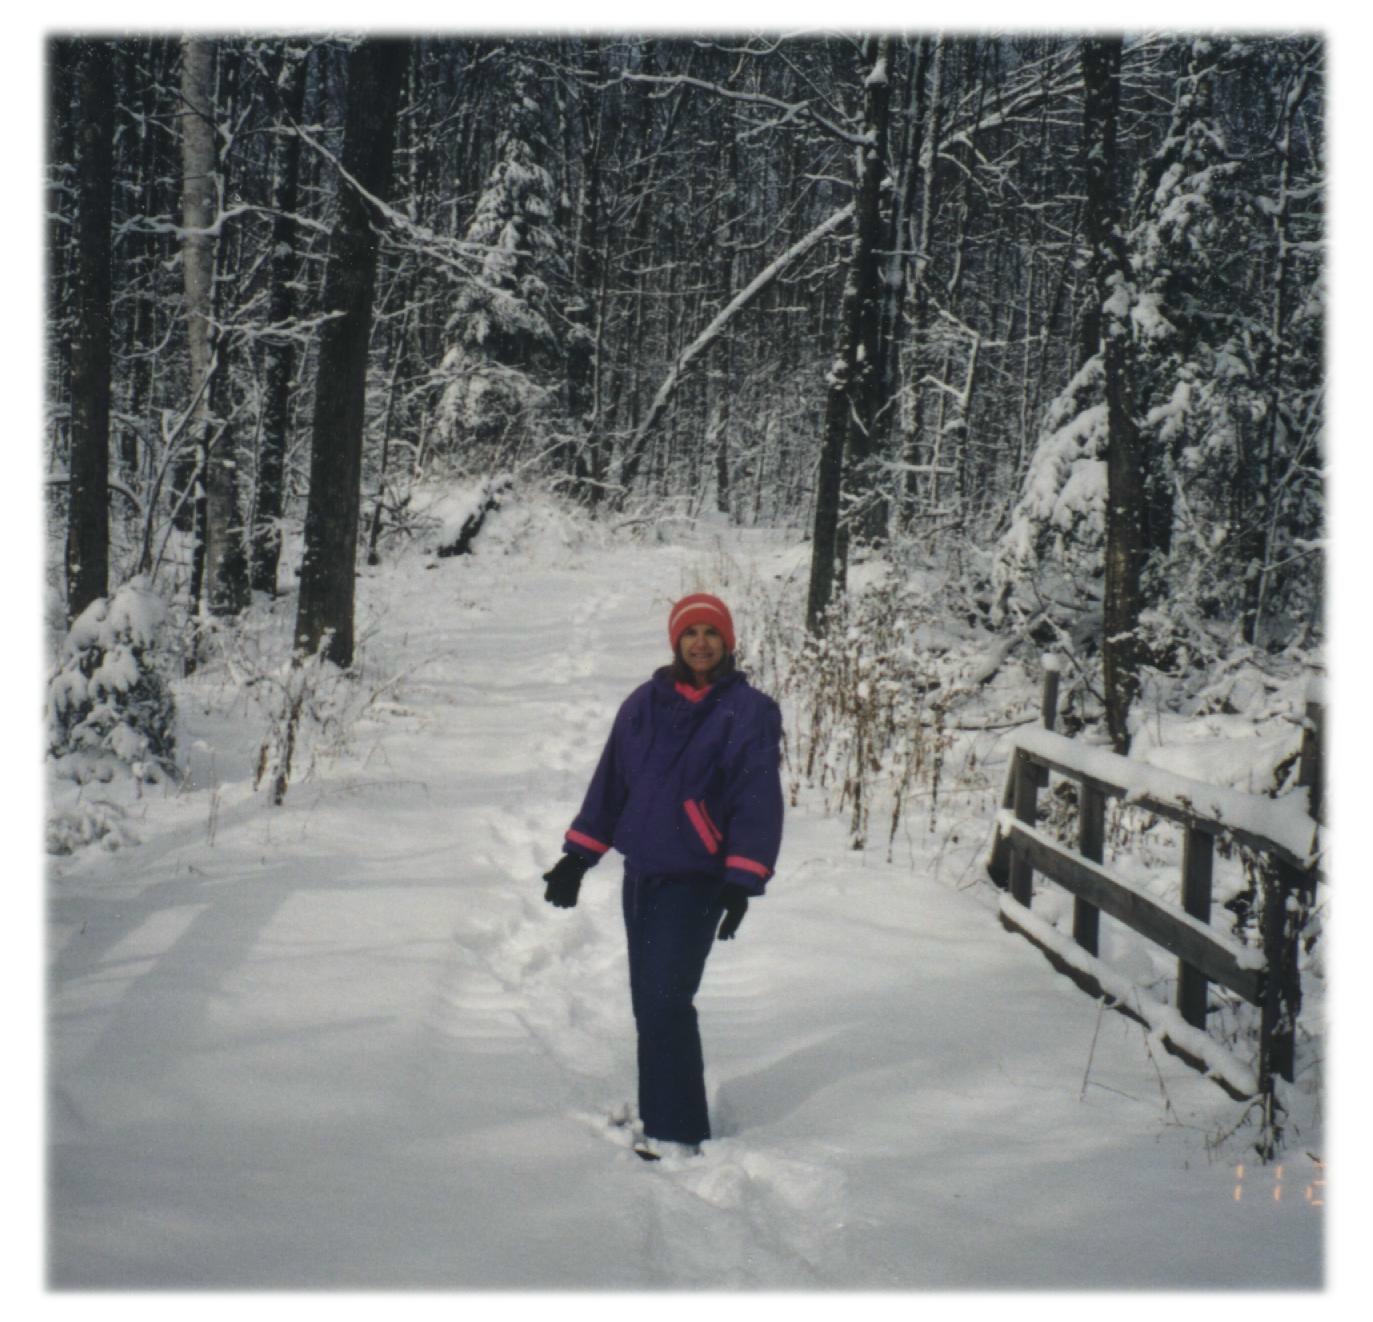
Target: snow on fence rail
x,y
1281,832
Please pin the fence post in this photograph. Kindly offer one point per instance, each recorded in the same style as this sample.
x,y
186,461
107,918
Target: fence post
x,y
1000,865
1311,768
1197,854
1048,705
1287,897
1026,810
1091,843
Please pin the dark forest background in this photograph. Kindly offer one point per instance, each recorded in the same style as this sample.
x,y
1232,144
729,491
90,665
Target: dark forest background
x,y
1047,308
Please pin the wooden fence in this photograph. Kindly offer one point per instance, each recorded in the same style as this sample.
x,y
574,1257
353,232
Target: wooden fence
x,y
1281,833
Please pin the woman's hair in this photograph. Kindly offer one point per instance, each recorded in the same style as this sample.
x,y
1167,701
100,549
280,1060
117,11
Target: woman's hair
x,y
684,674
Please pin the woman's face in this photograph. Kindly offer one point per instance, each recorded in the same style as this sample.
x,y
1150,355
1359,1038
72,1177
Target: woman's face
x,y
702,649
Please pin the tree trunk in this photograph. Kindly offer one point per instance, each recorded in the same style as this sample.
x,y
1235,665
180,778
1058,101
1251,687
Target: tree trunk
x,y
139,326
198,207
920,228
868,381
280,356
728,239
324,617
1125,494
388,421
88,508
1261,518
905,169
63,58
582,135
226,560
850,402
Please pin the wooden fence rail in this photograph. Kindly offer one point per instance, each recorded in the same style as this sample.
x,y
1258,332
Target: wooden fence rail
x,y
1281,832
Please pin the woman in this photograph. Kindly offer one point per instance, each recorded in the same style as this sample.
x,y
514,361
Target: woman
x,y
689,791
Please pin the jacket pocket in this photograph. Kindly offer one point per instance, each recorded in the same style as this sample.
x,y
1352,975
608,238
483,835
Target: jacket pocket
x,y
703,826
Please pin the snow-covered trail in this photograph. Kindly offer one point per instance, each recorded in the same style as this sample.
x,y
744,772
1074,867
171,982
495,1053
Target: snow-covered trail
x,y
345,1043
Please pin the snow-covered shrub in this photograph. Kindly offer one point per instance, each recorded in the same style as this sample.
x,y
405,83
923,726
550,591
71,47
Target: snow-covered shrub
x,y
110,712
874,699
87,822
294,685
313,711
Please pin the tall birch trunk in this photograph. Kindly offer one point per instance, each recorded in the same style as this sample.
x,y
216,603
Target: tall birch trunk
x,y
217,580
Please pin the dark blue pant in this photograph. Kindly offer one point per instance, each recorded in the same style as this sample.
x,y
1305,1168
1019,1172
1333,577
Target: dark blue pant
x,y
670,923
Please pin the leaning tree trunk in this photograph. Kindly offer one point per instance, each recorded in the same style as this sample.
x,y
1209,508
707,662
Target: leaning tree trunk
x,y
324,616
638,443
88,507
1125,493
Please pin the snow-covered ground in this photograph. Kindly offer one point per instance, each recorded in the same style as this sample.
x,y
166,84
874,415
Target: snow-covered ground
x,y
345,1044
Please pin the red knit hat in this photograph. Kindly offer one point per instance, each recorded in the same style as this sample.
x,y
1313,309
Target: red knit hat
x,y
700,608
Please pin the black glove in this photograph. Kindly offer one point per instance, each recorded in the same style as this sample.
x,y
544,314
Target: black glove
x,y
735,899
564,880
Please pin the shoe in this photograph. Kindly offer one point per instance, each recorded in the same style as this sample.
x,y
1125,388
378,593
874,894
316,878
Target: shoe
x,y
655,1149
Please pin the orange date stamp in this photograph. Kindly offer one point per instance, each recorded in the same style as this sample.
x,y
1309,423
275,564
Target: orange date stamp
x,y
1275,1184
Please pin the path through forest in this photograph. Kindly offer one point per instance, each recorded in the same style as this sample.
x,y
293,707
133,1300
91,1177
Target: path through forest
x,y
344,1043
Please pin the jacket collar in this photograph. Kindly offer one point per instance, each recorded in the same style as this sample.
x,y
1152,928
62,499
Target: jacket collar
x,y
665,688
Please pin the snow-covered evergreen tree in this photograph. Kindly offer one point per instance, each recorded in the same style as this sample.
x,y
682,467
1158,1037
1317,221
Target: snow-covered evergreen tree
x,y
506,359
1199,364
110,712
1204,362
1182,304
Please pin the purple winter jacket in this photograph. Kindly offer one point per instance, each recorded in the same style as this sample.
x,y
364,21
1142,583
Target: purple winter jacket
x,y
688,788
